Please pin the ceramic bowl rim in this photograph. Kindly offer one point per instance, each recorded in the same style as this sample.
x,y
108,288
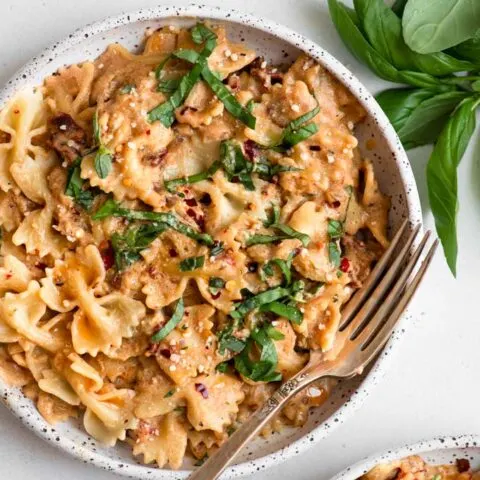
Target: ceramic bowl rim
x,y
20,79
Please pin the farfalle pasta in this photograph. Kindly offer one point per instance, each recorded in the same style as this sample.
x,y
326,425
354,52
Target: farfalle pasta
x,y
180,228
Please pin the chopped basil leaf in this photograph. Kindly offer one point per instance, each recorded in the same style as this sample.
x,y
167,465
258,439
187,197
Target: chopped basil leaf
x,y
285,267
273,333
192,263
335,229
112,208
283,310
127,88
170,185
171,324
273,216
262,370
215,284
200,33
216,249
165,112
103,161
250,105
334,253
256,301
287,233
168,86
186,54
267,170
75,186
232,105
300,135
222,367
201,461
227,341
235,165
169,393
161,66
127,246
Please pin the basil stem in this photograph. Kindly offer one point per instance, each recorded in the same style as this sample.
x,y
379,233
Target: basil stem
x,y
170,185
171,324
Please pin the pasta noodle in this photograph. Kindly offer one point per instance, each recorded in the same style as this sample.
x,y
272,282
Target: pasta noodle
x,y
172,246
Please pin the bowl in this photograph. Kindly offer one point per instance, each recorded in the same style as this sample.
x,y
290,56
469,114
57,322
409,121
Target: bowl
x,y
278,44
440,450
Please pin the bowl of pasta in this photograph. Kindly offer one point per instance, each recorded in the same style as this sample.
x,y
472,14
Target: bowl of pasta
x,y
456,458
188,196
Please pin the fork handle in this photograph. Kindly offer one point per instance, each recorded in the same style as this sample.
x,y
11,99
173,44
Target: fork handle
x,y
215,465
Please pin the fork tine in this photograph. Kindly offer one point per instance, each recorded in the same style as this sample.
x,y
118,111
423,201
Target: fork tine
x,y
365,330
360,295
362,316
377,340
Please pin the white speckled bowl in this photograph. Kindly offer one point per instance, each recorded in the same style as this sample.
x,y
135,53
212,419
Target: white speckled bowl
x,y
441,450
279,44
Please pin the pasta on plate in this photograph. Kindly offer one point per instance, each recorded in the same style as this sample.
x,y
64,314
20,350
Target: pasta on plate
x,y
180,227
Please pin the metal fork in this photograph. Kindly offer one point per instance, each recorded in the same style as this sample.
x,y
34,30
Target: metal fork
x,y
367,323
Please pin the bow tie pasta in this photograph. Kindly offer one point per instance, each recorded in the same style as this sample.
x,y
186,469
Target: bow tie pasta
x,y
180,227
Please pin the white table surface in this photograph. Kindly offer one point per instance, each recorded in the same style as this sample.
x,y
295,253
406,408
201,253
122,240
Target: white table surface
x,y
433,385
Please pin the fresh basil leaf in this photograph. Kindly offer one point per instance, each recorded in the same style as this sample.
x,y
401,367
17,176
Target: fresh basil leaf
x,y
175,319
383,30
75,186
168,86
250,105
232,105
435,25
268,296
398,7
200,33
289,232
192,263
273,216
127,88
273,333
334,253
267,170
112,208
161,66
262,239
165,112
476,86
227,341
468,50
216,249
348,27
222,367
264,369
442,175
186,54
335,229
285,267
296,131
128,245
171,185
103,161
170,393
284,310
235,165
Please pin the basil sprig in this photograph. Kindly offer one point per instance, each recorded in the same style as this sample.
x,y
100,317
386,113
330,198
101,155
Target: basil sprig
x,y
78,188
442,175
175,319
192,263
128,245
382,38
262,370
113,209
103,157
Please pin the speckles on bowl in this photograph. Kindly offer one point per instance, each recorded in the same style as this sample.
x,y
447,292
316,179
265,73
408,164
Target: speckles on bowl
x,y
279,44
440,450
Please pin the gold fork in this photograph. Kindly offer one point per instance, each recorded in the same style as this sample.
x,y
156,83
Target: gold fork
x,y
367,323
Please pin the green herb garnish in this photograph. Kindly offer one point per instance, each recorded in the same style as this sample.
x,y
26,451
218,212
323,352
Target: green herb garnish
x,y
192,263
127,88
227,341
286,233
170,393
171,324
215,284
170,185
273,333
287,311
75,186
103,161
216,249
168,86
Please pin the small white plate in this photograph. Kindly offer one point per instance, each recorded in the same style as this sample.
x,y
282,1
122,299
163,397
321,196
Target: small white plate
x,y
278,44
439,451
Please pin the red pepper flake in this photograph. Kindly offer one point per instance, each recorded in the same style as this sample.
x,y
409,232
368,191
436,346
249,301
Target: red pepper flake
x,y
463,465
336,204
345,265
216,295
165,352
191,202
148,132
41,265
108,256
251,150
8,275
191,213
202,389
173,253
